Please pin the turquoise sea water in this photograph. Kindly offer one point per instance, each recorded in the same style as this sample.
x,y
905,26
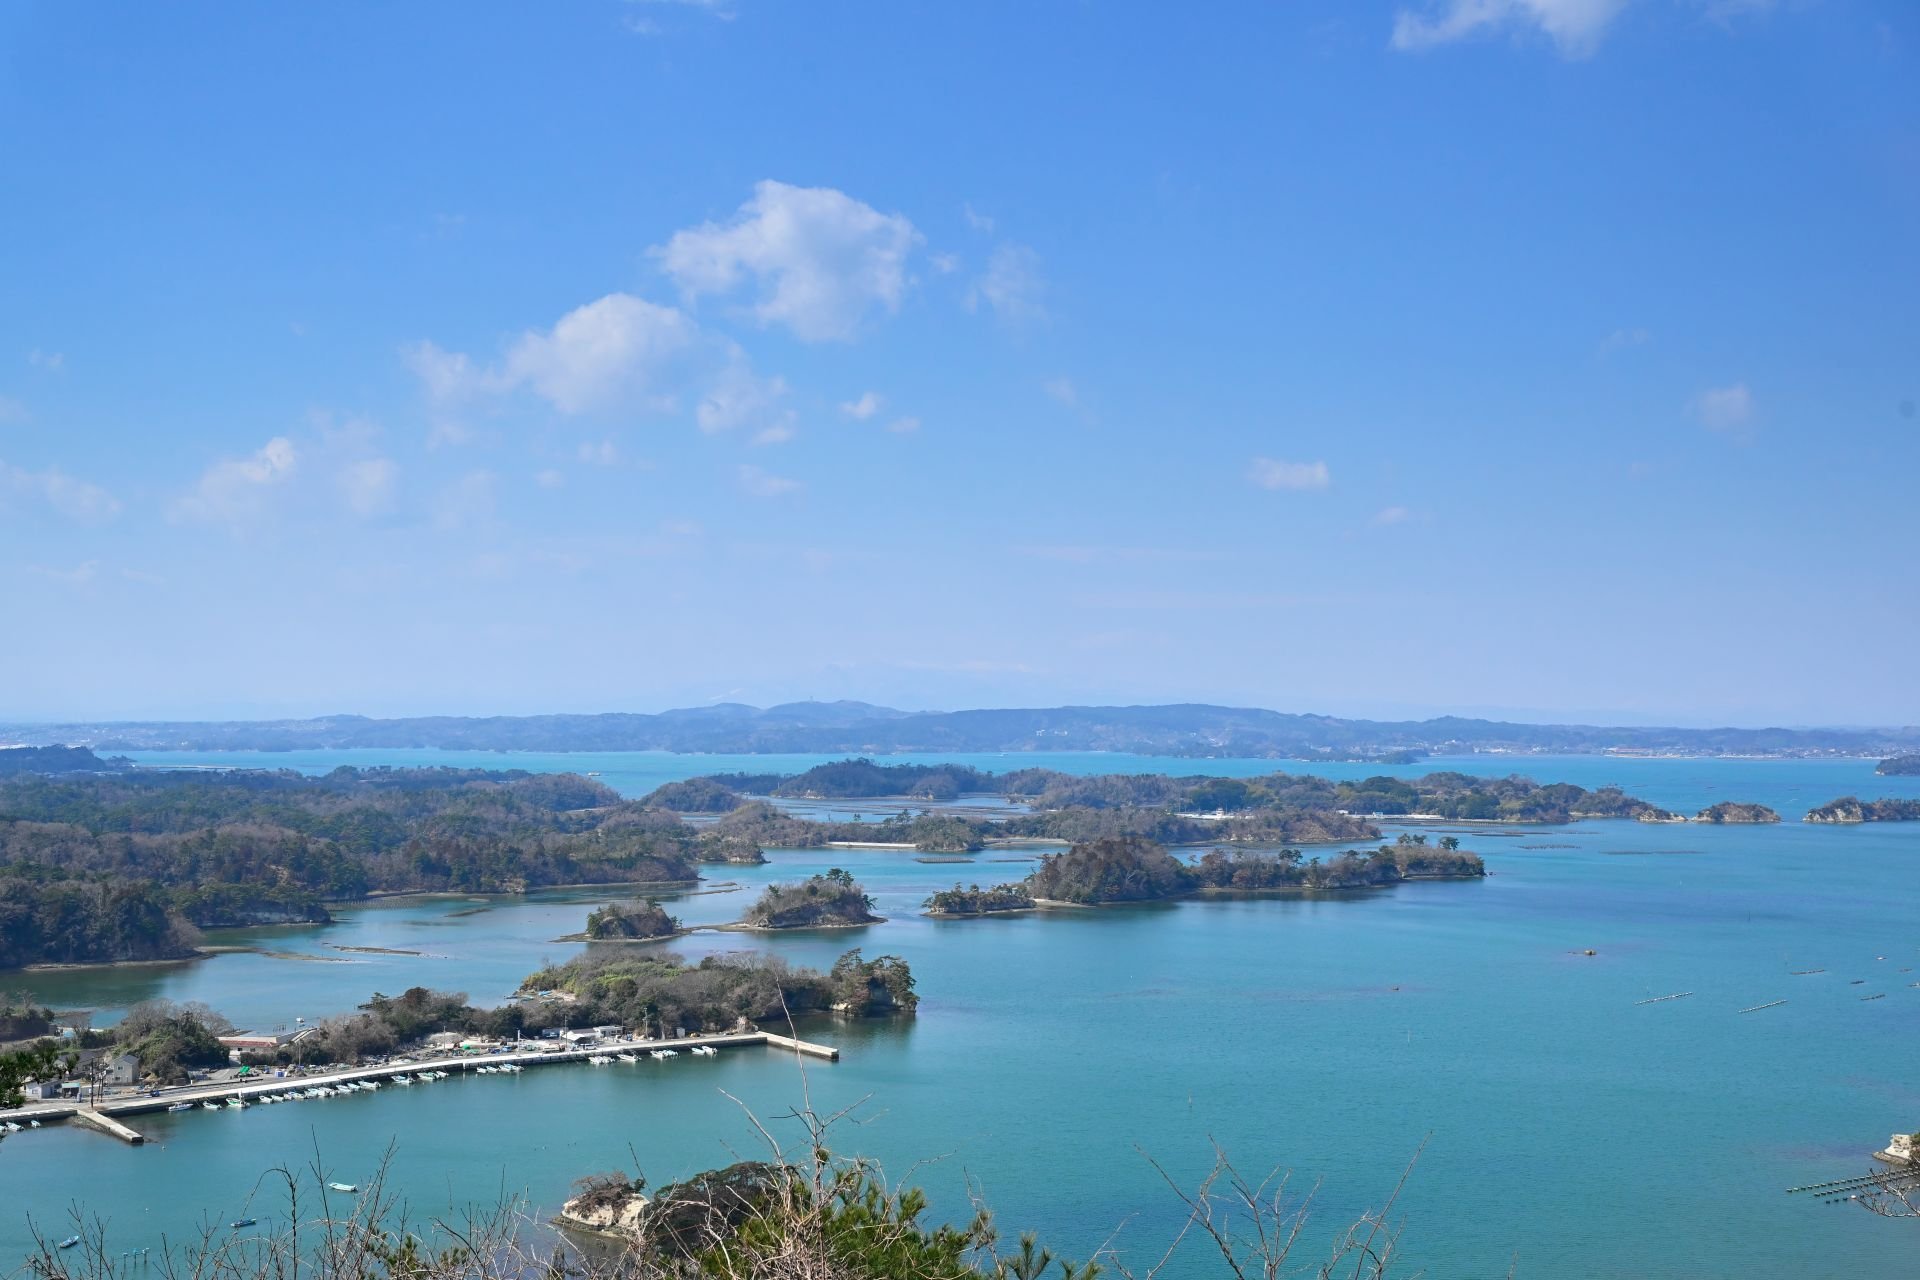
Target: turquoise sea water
x,y
1567,1126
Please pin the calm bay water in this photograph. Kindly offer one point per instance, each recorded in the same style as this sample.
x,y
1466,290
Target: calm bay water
x,y
1565,1125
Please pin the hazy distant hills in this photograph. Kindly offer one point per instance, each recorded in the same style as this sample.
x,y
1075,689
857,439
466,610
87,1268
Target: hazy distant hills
x,y
1188,729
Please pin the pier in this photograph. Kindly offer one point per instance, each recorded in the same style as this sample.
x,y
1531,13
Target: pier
x,y
103,1115
826,1051
108,1125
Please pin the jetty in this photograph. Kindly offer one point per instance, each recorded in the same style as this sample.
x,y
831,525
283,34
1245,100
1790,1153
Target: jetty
x,y
108,1125
104,1116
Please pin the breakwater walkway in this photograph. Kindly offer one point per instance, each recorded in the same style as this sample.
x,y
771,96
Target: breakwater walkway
x,y
105,1114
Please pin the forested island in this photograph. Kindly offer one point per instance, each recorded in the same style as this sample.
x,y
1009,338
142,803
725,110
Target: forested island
x,y
1729,812
1290,807
830,901
1900,766
630,922
1851,809
1117,869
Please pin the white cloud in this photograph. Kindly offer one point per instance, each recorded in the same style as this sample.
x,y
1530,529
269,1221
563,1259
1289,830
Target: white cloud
x,y
1724,408
467,501
602,354
51,361
741,398
904,426
234,490
944,263
763,484
1392,516
12,410
1575,26
869,403
368,485
821,259
1272,473
1012,286
549,479
614,352
977,220
76,499
448,376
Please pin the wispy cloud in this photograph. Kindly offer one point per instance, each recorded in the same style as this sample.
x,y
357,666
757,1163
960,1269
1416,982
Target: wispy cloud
x,y
1012,286
80,575
904,426
51,361
466,502
76,499
1575,26
599,453
868,404
1624,339
1725,409
740,398
368,485
1273,473
235,490
1392,516
820,259
764,484
12,410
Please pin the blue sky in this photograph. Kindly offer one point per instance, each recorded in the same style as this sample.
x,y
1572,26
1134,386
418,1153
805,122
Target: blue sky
x,y
1553,357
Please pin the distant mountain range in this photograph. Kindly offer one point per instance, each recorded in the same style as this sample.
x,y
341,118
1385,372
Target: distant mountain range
x,y
1187,729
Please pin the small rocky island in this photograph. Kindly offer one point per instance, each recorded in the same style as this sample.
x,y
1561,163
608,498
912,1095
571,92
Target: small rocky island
x,y
1900,766
1852,809
631,922
831,901
1728,812
1117,869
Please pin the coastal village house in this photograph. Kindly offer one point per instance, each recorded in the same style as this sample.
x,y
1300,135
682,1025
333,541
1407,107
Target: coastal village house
x,y
259,1041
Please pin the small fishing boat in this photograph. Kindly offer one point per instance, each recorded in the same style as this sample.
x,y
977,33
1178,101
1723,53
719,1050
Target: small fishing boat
x,y
658,1055
10,1127
600,1060
342,1186
403,1079
238,1223
181,1106
370,1085
33,1124
69,1242
237,1104
705,1050
513,1068
626,1057
209,1106
669,1053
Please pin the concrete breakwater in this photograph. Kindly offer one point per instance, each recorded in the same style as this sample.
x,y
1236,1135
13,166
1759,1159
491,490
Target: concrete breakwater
x,y
103,1116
